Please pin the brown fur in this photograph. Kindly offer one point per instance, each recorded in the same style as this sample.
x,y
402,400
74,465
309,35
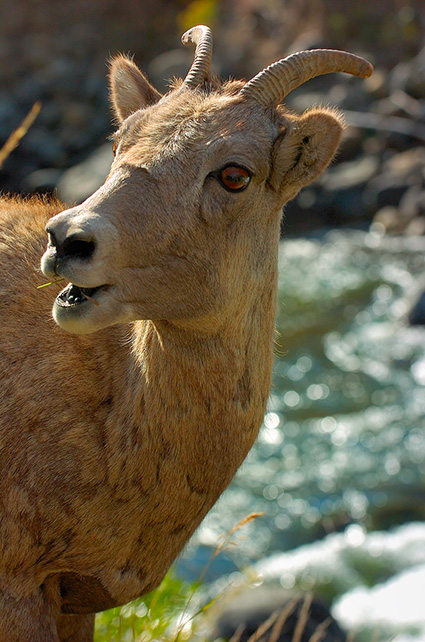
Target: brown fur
x,y
114,443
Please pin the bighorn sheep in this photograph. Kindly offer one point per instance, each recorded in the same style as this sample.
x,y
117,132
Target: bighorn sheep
x,y
118,436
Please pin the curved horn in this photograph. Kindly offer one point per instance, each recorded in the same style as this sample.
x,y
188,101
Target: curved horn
x,y
274,83
200,70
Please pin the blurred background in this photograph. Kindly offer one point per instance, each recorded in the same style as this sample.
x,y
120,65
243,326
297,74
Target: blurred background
x,y
339,467
57,53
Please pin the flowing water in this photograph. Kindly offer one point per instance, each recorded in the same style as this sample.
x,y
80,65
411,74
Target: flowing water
x,y
341,453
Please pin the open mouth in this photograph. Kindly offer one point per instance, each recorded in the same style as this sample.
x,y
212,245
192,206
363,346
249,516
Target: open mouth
x,y
73,295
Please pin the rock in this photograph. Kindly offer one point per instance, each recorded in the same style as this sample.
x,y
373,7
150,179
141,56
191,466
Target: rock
x,y
42,180
30,89
77,114
344,187
348,95
348,206
10,115
254,606
351,145
79,182
409,163
300,101
163,68
399,76
416,227
377,84
385,190
400,185
413,202
351,174
389,218
410,76
387,107
41,144
417,313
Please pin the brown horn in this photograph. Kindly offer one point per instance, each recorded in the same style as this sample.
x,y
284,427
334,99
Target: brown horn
x,y
274,83
200,70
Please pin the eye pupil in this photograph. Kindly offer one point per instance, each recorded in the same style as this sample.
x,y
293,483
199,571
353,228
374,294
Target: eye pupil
x,y
235,178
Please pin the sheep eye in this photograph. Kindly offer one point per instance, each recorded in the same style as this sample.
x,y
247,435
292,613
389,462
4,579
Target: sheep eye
x,y
233,178
114,147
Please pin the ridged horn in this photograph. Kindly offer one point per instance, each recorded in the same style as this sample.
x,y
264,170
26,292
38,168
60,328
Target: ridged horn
x,y
200,36
273,84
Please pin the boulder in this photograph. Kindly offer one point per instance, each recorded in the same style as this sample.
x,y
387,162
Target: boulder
x,y
79,182
250,609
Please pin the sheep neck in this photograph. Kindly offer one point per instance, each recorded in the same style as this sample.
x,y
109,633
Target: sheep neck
x,y
203,395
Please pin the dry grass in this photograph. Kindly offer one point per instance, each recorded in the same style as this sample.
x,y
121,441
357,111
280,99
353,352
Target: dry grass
x,y
227,541
16,136
277,620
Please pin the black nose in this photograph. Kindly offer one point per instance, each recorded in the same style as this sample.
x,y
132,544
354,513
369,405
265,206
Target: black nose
x,y
75,246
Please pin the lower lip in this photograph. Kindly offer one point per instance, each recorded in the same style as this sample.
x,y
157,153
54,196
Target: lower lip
x,y
73,296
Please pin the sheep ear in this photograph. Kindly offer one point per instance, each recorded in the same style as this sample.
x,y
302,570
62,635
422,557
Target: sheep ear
x,y
129,88
304,149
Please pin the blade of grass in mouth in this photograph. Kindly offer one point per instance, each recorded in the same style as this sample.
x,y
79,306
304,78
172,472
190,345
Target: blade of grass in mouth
x,y
50,283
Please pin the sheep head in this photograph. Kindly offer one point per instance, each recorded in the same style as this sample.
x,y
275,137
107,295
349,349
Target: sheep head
x,y
187,221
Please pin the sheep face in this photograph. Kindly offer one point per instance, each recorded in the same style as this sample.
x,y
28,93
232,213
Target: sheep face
x,y
185,228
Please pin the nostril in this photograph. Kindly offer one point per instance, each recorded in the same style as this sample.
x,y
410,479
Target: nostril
x,y
51,237
74,247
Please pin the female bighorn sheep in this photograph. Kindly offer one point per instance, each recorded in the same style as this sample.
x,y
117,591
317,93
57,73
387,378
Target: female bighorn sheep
x,y
118,435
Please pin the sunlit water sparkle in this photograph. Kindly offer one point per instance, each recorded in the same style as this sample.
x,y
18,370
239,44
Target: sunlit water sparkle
x,y
343,440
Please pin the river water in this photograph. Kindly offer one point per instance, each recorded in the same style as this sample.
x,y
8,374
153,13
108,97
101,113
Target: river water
x,y
339,466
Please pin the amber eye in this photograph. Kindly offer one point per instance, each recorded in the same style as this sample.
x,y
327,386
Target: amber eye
x,y
234,179
114,147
